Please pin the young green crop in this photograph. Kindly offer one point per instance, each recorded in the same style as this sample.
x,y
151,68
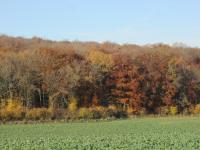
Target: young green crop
x,y
140,134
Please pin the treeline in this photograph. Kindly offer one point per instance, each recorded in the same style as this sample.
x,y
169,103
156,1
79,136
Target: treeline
x,y
42,77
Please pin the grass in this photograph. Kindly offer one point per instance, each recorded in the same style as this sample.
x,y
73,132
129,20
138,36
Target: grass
x,y
142,133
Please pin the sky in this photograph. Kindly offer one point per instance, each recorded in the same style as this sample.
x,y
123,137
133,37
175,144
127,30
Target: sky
x,y
120,21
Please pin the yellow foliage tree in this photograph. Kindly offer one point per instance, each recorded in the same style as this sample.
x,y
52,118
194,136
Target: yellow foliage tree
x,y
101,59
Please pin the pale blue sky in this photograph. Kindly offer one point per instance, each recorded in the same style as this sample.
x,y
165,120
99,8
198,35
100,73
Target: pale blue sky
x,y
121,21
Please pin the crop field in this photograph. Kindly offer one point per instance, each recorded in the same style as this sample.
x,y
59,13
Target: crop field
x,y
145,133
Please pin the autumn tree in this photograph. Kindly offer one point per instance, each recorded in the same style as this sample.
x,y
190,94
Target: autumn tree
x,y
125,84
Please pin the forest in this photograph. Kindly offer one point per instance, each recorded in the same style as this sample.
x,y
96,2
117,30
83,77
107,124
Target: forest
x,y
44,79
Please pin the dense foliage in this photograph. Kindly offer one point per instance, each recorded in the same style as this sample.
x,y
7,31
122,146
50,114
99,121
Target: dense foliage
x,y
141,134
82,76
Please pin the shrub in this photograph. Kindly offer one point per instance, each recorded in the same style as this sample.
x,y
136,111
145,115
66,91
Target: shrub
x,y
130,111
102,111
112,107
91,113
196,109
163,110
94,114
120,114
70,115
2,104
83,113
110,111
115,112
186,111
13,110
1,115
39,114
72,105
173,110
58,113
142,112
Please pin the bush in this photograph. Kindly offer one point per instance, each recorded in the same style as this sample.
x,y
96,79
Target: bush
x,y
58,113
1,115
173,110
186,111
98,112
73,105
39,114
196,109
84,113
95,114
102,111
71,115
120,114
112,107
163,110
91,113
12,110
115,112
130,111
142,112
110,112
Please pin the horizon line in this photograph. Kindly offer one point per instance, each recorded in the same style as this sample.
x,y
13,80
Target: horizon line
x,y
171,44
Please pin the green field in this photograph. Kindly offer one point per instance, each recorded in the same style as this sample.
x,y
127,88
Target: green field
x,y
146,133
